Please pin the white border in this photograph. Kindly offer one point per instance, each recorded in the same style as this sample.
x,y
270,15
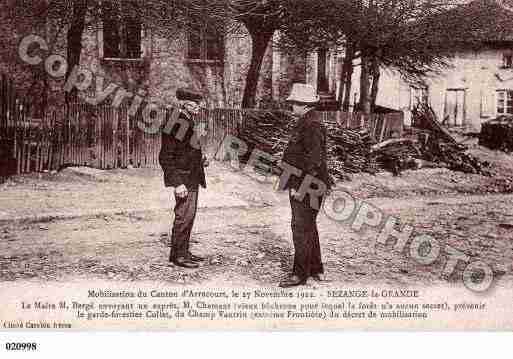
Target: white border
x,y
262,345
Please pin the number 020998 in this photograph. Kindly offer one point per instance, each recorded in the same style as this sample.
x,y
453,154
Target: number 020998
x,y
20,346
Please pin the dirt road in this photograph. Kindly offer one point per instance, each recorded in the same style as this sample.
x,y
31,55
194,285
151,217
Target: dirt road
x,y
248,242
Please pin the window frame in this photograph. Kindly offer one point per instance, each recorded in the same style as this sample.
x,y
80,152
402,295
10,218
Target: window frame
x,y
507,97
507,60
123,43
203,40
419,93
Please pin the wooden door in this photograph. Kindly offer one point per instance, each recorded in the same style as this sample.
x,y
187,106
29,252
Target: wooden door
x,y
455,107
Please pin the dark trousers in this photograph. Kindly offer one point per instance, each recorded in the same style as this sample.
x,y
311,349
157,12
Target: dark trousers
x,y
185,213
307,250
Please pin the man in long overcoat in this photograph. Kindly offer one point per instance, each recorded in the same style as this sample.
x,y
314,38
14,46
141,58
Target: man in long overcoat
x,y
182,161
308,182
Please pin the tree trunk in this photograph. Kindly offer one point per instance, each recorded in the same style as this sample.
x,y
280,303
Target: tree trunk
x,y
74,38
322,80
346,78
365,103
259,43
347,91
375,84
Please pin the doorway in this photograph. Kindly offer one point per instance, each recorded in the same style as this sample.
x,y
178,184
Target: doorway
x,y
454,113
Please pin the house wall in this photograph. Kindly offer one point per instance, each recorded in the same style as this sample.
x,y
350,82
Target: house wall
x,y
333,69
237,62
164,68
478,74
393,92
288,69
31,81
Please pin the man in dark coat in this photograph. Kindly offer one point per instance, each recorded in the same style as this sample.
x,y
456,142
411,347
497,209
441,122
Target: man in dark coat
x,y
182,161
308,182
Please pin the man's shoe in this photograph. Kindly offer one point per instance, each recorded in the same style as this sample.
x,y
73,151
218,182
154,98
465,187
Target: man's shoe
x,y
195,258
185,263
320,278
292,281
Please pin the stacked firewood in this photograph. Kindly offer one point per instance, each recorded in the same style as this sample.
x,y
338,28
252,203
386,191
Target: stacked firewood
x,y
497,134
452,156
395,155
424,117
355,151
349,150
267,131
438,146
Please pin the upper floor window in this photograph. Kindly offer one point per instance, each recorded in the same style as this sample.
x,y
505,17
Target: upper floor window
x,y
505,102
507,60
121,33
418,95
205,44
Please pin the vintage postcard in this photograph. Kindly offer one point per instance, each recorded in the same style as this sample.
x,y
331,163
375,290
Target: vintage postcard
x,y
264,165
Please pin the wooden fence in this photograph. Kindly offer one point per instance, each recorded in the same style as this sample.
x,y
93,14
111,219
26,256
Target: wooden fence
x,y
106,137
13,128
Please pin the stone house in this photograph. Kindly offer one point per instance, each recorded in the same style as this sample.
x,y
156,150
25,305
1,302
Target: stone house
x,y
30,80
476,87
126,52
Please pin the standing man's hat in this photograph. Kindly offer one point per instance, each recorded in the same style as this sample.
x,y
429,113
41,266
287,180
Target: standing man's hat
x,y
189,94
303,93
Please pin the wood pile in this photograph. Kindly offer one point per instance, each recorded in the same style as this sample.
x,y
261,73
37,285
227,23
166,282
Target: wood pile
x,y
497,134
425,118
435,147
394,155
438,146
452,156
355,151
266,130
430,152
348,150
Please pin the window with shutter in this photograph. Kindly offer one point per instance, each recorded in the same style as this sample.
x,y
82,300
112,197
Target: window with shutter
x,y
121,33
418,95
505,102
133,31
194,48
487,103
205,44
213,45
111,39
507,61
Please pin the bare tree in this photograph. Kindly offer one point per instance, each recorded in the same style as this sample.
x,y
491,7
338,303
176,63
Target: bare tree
x,y
412,37
261,19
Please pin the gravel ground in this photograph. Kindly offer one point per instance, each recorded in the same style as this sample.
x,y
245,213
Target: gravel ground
x,y
114,225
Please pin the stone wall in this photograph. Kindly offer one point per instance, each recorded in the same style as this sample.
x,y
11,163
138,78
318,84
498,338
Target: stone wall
x,y
162,69
165,67
287,68
237,61
31,81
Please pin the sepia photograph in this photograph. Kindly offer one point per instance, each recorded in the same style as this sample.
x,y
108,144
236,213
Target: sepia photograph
x,y
266,165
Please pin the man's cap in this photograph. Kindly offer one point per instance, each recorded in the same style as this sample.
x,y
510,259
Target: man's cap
x,y
188,94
